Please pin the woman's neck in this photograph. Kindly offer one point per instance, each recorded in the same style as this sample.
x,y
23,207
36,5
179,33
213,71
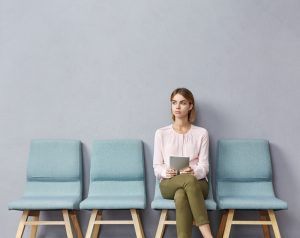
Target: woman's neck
x,y
181,126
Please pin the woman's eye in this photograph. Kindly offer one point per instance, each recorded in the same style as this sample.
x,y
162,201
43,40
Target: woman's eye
x,y
174,103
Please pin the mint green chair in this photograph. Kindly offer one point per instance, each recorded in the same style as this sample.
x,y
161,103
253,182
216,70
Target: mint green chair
x,y
117,182
54,182
244,182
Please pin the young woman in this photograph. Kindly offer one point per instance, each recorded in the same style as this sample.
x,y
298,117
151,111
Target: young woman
x,y
190,188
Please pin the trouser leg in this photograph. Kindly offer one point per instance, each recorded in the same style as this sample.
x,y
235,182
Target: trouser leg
x,y
195,190
184,216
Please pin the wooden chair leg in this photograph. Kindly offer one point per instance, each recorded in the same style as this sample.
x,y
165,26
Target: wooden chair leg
x,y
21,226
75,222
67,223
264,217
91,224
35,217
222,224
161,225
140,225
137,224
228,223
96,229
274,223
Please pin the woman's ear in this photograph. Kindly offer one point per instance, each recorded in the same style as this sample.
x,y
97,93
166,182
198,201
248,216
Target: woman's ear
x,y
191,106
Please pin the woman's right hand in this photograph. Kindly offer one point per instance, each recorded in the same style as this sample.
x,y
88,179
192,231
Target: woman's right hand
x,y
170,173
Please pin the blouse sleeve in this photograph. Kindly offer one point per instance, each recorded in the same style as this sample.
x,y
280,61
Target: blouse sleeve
x,y
158,160
202,167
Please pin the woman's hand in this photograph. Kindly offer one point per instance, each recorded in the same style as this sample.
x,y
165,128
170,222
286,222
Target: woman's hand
x,y
187,170
171,173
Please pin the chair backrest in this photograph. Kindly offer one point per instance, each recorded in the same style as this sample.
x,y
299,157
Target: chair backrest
x,y
54,168
244,168
117,167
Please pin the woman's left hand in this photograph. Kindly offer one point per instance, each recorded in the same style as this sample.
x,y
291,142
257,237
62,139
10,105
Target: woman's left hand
x,y
187,170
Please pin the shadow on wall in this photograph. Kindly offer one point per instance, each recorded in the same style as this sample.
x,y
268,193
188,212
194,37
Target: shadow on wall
x,y
285,183
280,164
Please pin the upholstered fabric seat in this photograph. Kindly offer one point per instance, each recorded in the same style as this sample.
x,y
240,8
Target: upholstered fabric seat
x,y
46,203
115,195
110,202
253,203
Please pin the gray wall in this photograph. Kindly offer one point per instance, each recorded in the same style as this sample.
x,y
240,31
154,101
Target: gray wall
x,y
104,69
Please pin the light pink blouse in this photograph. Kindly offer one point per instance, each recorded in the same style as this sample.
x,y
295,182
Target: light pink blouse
x,y
193,144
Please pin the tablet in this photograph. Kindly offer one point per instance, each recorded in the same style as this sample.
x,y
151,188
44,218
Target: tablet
x,y
179,162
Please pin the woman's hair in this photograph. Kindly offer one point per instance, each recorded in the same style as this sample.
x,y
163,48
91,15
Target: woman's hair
x,y
187,94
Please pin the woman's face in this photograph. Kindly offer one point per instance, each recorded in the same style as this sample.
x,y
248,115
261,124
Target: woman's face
x,y
180,106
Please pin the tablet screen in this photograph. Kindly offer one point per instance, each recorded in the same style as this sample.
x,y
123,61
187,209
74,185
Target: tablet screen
x,y
179,162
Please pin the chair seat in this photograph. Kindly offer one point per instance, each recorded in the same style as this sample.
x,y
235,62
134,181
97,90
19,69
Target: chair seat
x,y
45,203
161,203
251,203
112,202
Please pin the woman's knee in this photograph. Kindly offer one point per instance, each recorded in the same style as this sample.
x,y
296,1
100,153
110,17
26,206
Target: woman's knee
x,y
190,180
165,190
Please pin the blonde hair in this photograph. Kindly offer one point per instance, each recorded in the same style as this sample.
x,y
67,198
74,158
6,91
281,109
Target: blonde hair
x,y
187,94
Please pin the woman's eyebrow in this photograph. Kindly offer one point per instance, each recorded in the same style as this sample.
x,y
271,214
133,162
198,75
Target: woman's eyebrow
x,y
180,101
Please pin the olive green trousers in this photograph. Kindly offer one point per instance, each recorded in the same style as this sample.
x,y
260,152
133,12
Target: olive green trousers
x,y
189,195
